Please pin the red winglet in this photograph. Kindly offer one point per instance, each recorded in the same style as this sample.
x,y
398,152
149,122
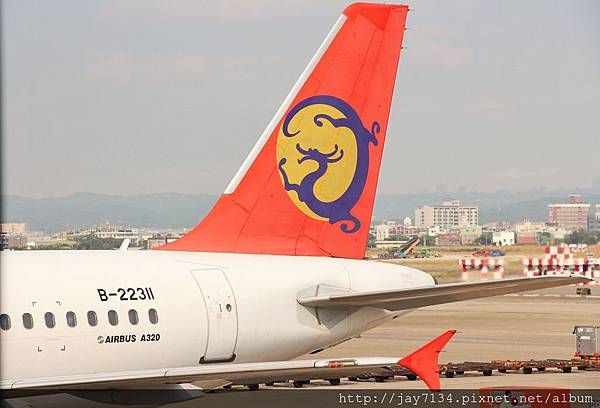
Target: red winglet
x,y
424,361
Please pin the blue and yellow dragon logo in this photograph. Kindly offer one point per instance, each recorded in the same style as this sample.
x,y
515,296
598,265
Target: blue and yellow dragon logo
x,y
323,159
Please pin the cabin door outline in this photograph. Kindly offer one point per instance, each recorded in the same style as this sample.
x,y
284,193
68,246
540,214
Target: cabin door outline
x,y
221,315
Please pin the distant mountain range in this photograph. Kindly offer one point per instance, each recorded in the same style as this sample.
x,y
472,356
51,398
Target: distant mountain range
x,y
164,210
176,210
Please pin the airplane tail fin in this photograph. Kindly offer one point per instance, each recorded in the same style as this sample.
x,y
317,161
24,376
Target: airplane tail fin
x,y
308,185
424,361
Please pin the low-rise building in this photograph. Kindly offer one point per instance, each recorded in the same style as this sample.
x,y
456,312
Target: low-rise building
x,y
497,226
557,232
108,231
527,226
447,239
118,233
159,240
468,235
13,235
503,238
37,236
435,231
12,240
527,238
392,230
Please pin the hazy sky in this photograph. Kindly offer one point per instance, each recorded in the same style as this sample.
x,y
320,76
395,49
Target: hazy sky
x,y
136,96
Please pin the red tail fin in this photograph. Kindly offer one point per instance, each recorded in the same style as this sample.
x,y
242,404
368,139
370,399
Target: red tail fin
x,y
424,361
308,186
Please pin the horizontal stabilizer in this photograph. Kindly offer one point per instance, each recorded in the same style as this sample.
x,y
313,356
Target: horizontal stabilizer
x,y
402,299
424,361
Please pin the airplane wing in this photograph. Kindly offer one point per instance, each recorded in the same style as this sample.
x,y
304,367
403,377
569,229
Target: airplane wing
x,y
423,362
412,298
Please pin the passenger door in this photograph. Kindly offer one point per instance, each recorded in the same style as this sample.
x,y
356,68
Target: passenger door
x,y
221,309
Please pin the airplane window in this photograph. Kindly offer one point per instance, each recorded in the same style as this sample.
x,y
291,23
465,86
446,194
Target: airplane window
x,y
71,319
133,317
27,321
113,318
92,318
4,322
153,316
49,319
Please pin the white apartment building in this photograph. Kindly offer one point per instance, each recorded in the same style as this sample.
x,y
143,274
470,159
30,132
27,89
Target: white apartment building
x,y
503,238
447,216
383,231
118,233
110,231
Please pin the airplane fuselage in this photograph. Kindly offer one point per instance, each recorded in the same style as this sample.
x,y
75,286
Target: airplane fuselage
x,y
106,311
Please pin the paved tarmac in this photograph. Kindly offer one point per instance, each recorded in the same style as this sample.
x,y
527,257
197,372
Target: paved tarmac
x,y
532,325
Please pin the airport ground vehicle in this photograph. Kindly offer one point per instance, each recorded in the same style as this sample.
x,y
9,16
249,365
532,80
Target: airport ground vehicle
x,y
404,251
488,252
427,253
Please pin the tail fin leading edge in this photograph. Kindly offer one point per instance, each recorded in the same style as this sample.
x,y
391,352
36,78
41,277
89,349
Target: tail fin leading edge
x,y
308,186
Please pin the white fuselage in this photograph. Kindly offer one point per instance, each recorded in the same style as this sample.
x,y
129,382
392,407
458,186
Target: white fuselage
x,y
210,307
